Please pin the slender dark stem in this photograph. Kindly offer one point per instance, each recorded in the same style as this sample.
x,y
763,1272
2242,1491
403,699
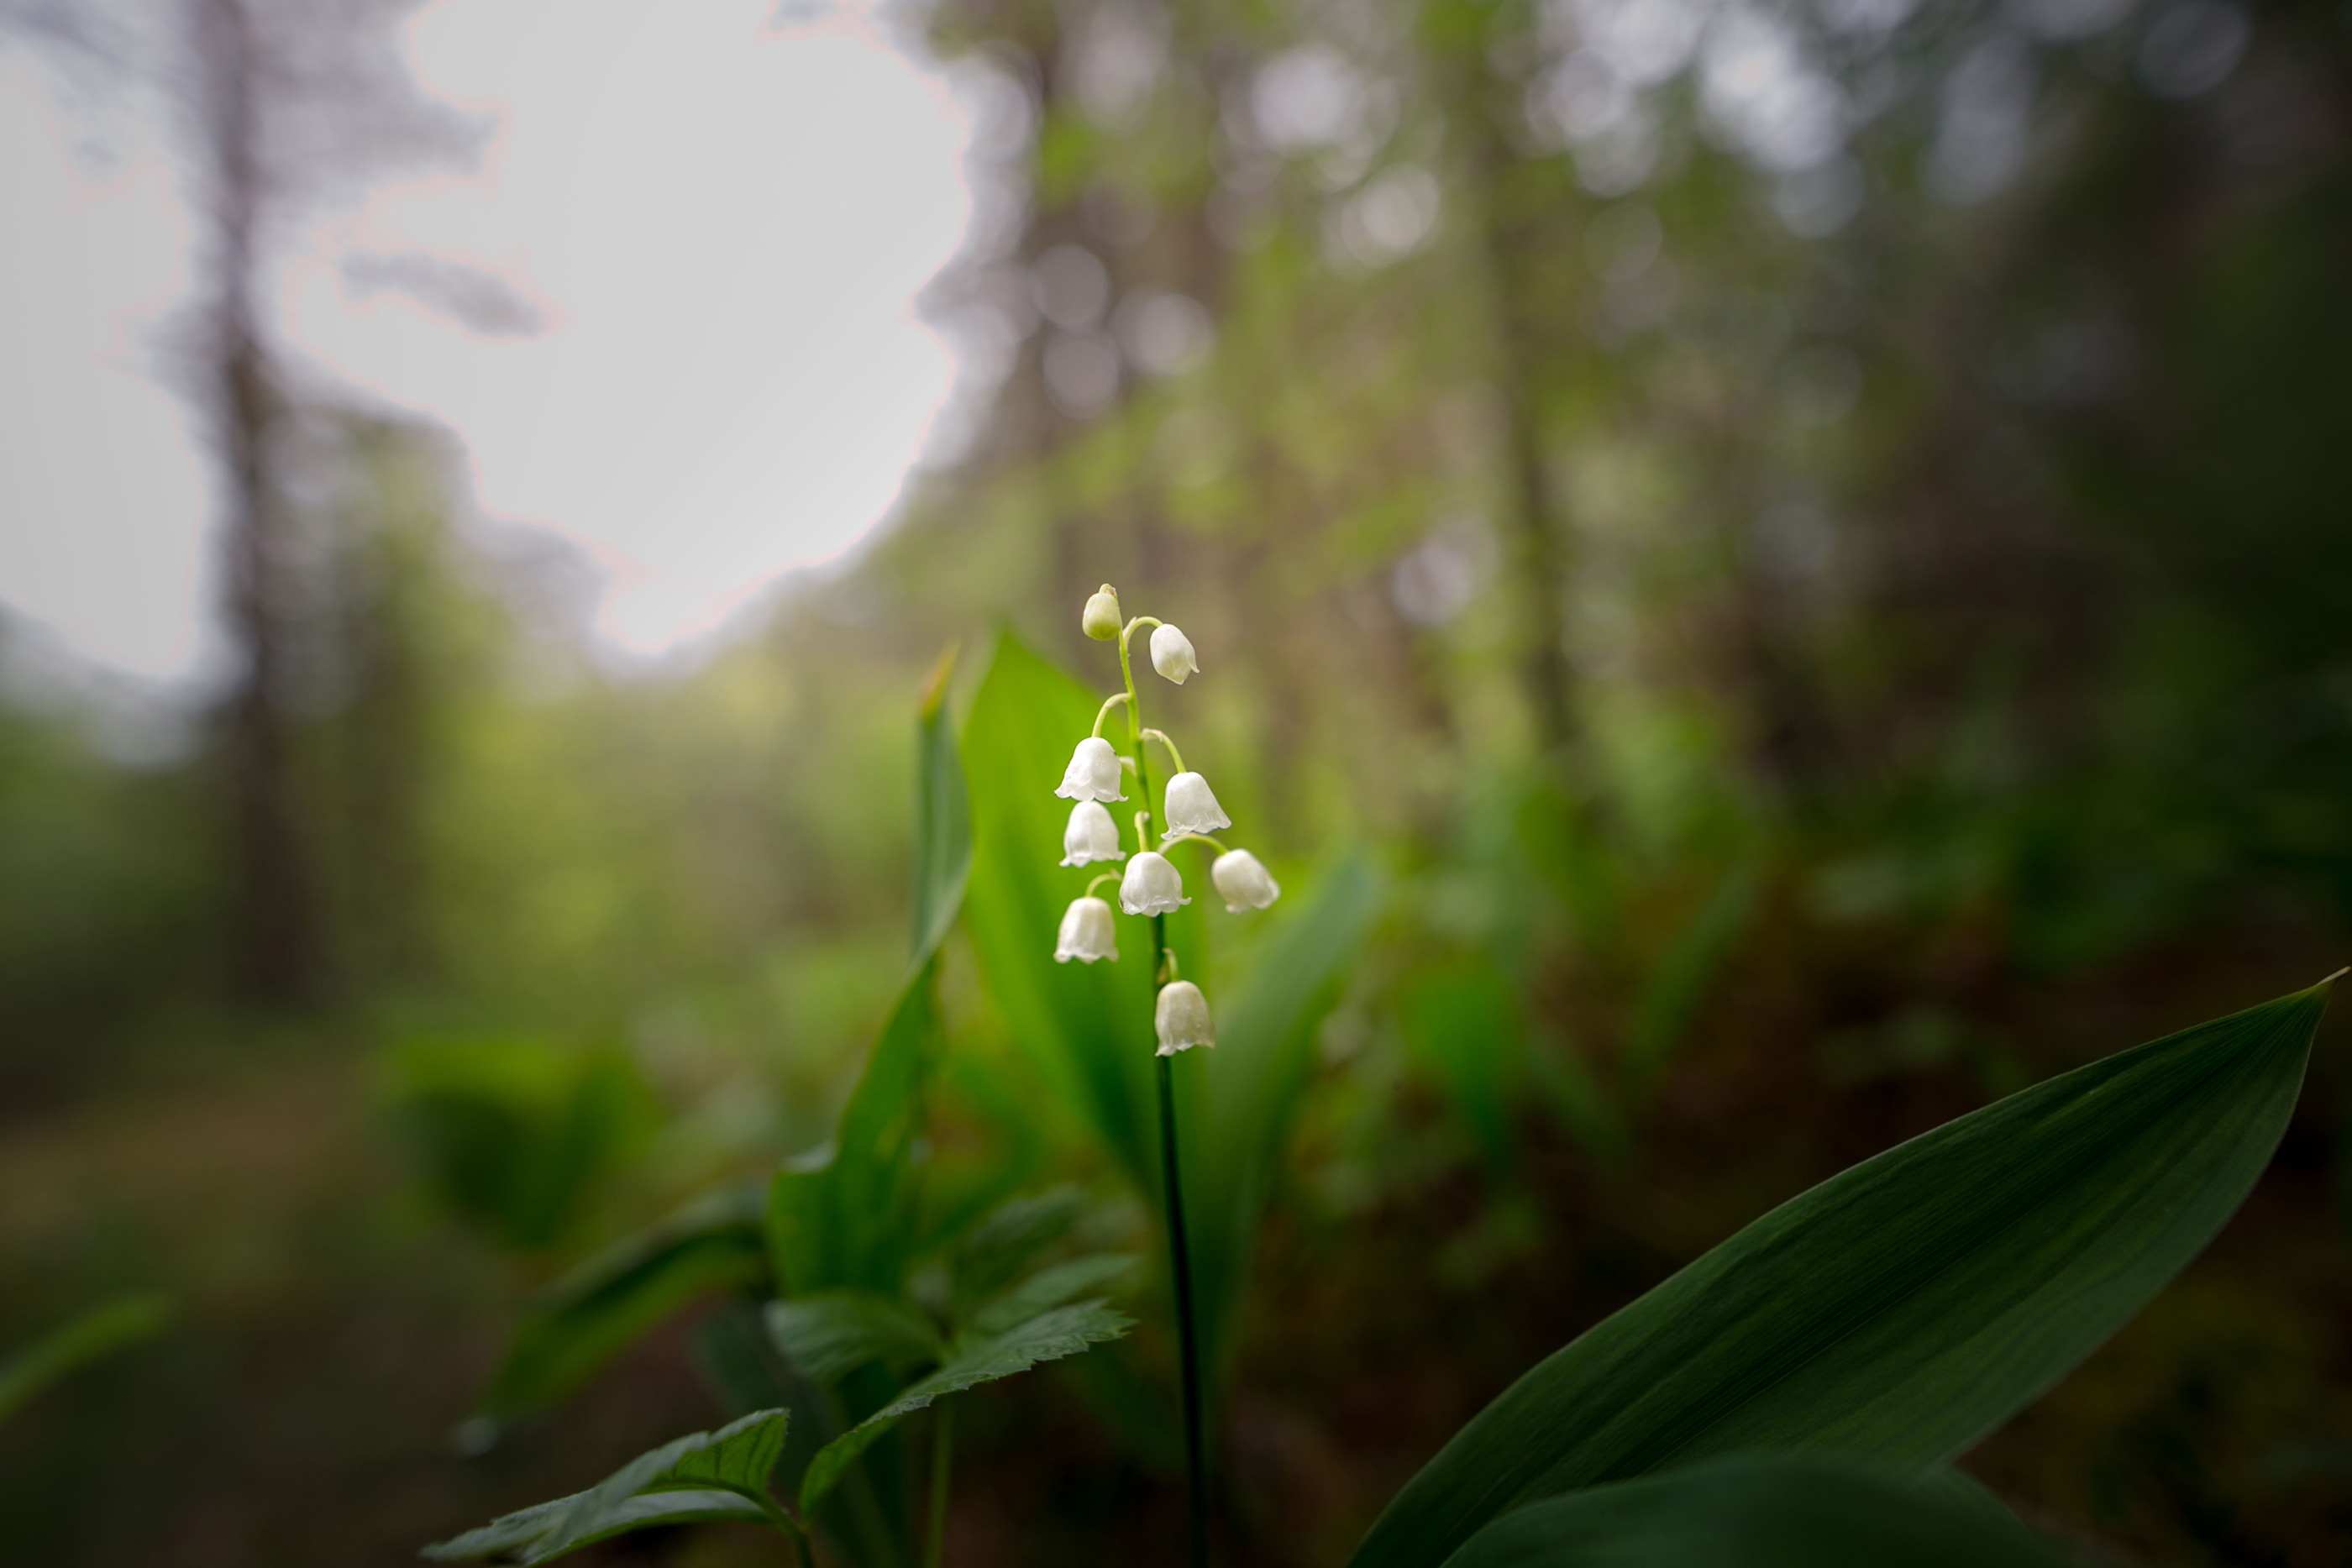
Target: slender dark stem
x,y
942,1455
1188,1337
1179,1251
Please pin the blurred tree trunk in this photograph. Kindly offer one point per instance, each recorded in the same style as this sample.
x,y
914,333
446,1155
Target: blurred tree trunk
x,y
1532,531
277,950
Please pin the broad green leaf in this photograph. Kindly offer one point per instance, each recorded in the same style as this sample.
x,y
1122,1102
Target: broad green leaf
x,y
993,1252
91,1336
707,1476
832,1333
1760,1511
851,1222
1087,1026
942,818
973,1359
1905,1308
1244,1094
607,1303
1050,1287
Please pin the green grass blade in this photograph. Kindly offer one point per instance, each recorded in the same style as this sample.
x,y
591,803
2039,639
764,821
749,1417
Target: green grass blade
x,y
942,818
92,1336
1900,1311
1758,1511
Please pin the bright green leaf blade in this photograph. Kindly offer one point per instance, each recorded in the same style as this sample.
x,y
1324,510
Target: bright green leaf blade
x,y
707,1475
1244,1094
607,1303
1049,1287
942,819
972,1360
1756,1512
1088,1026
92,1336
851,1223
833,1333
995,1251
1900,1311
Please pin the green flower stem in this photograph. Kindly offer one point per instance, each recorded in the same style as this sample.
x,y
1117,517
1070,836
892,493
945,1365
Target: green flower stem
x,y
1103,716
942,1455
1180,1254
1173,755
1107,877
1214,843
790,1528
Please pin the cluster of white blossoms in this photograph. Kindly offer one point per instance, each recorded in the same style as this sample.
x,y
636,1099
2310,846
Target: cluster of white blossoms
x,y
1150,884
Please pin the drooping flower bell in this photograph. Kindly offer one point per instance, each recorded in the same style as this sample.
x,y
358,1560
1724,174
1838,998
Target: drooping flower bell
x,y
1172,653
1101,620
1093,772
1091,836
1087,933
1182,1017
1150,885
1192,808
1243,880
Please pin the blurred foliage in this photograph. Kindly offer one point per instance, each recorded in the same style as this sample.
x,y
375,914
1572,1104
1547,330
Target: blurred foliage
x,y
1764,574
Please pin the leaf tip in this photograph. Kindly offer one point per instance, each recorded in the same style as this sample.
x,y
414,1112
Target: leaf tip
x,y
2331,979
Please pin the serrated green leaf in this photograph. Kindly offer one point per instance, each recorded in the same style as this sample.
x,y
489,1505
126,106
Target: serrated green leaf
x,y
607,1303
1757,1512
1049,1287
91,1336
707,1476
972,1360
993,1252
832,1333
1900,1311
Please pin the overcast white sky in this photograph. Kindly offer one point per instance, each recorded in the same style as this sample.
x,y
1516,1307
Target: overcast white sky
x,y
723,226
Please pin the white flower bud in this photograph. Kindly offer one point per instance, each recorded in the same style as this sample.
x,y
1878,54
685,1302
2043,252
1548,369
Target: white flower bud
x,y
1243,880
1172,653
1091,836
1182,1017
1093,772
1087,933
1192,808
1150,885
1101,620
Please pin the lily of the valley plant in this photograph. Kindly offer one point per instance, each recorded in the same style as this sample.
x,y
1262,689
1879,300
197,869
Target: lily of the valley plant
x,y
1151,887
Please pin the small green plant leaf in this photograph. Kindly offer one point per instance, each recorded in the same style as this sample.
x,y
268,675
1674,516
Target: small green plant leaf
x,y
707,1476
942,818
91,1336
993,1254
833,1333
1049,1287
1760,1511
608,1303
973,1359
1900,1311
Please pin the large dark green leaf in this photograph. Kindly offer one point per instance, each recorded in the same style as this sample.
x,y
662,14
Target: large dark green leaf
x,y
604,1306
719,1475
1760,1511
91,1336
973,1359
851,1222
1900,1311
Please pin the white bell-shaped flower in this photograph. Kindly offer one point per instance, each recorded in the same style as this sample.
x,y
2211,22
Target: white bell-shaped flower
x,y
1172,653
1192,808
1093,772
1150,885
1182,1017
1243,880
1091,836
1087,933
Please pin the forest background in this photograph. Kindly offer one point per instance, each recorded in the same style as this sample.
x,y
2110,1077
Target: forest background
x,y
1806,542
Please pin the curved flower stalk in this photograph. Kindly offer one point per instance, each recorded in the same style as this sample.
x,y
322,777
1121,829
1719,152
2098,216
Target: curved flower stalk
x,y
1150,887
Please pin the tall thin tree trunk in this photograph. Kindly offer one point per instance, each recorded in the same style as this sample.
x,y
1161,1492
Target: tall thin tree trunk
x,y
278,951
